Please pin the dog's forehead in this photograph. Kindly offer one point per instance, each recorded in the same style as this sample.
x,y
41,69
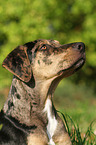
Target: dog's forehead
x,y
49,42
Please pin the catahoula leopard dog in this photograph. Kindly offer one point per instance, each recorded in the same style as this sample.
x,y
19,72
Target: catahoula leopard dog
x,y
29,116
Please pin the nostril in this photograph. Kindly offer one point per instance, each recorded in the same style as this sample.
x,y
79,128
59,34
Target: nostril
x,y
81,46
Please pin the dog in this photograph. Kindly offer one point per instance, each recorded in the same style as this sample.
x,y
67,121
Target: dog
x,y
28,116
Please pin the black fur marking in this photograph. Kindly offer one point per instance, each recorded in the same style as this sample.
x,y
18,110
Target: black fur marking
x,y
34,103
47,61
38,61
18,96
17,61
17,124
14,90
30,45
30,95
10,134
31,83
10,104
30,108
35,51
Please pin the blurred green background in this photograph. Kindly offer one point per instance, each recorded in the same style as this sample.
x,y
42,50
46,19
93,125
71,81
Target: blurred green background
x,y
67,21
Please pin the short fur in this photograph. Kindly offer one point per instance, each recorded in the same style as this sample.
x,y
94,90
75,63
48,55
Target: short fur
x,y
29,116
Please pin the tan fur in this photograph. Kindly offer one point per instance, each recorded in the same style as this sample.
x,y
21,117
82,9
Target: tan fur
x,y
37,139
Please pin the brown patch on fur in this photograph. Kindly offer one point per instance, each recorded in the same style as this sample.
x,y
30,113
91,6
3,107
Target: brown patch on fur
x,y
17,62
37,139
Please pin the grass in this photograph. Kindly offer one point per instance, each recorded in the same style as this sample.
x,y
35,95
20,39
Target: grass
x,y
77,138
78,101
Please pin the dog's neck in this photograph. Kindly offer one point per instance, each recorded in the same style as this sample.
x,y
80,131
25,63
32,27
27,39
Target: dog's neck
x,y
26,103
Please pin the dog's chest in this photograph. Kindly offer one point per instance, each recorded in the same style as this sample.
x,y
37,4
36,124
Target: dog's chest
x,y
52,122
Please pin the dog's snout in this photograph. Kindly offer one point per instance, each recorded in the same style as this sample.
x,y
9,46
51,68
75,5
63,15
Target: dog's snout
x,y
80,46
77,45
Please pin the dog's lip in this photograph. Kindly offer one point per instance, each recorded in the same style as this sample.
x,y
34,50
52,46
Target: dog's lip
x,y
77,65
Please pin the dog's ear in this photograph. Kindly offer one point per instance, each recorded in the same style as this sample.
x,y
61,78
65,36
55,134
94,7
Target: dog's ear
x,y
17,62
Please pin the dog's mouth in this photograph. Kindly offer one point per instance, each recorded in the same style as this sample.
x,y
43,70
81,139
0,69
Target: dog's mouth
x,y
77,65
73,68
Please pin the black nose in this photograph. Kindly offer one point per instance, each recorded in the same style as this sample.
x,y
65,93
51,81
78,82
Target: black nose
x,y
80,46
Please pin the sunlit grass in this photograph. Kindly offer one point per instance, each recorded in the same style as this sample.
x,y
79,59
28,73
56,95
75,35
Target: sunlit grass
x,y
77,137
78,101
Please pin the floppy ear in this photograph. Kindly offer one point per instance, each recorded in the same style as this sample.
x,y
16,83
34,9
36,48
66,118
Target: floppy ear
x,y
17,62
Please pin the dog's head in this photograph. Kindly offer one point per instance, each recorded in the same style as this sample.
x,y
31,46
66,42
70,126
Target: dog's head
x,y
45,59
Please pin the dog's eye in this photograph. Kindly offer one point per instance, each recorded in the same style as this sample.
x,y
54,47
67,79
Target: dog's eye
x,y
43,48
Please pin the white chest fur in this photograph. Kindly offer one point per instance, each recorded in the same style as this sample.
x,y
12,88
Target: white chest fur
x,y
52,122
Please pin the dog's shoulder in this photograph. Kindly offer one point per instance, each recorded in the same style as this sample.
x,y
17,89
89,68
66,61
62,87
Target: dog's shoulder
x,y
10,131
